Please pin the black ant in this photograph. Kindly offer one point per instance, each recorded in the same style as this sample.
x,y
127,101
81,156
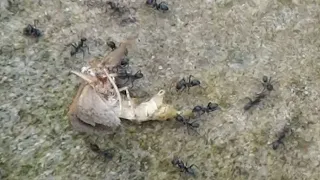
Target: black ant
x,y
254,102
279,141
32,31
183,167
266,83
183,84
124,63
161,6
112,45
79,47
128,76
201,109
190,125
106,153
149,2
115,7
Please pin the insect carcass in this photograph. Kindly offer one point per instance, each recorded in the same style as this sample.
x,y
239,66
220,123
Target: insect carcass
x,y
98,104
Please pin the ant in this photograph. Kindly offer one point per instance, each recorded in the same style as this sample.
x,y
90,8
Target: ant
x,y
115,7
183,167
254,102
279,141
32,31
128,76
266,83
193,125
106,153
79,47
161,6
112,45
123,64
183,84
201,109
149,2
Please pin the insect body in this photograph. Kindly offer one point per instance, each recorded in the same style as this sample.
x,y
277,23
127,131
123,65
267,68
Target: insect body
x,y
112,45
128,76
279,141
161,6
79,47
201,110
267,83
32,31
254,102
190,125
106,153
183,84
183,167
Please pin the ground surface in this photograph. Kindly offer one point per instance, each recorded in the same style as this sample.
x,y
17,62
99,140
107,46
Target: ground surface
x,y
228,45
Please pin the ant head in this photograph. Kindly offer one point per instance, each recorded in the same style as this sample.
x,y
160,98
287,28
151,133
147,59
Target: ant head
x,y
179,118
124,61
212,106
180,84
83,39
265,79
94,147
275,145
175,161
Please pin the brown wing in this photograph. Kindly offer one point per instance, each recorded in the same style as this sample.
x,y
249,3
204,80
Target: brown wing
x,y
93,109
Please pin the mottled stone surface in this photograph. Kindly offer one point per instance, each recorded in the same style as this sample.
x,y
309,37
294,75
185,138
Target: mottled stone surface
x,y
228,45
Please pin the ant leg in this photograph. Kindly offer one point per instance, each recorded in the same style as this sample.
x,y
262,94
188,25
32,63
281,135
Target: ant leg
x,y
189,79
35,22
132,82
87,49
282,144
128,96
193,165
127,81
264,88
73,45
82,52
188,89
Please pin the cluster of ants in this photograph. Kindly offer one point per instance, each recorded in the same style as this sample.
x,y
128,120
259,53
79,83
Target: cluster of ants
x,y
198,110
183,84
267,88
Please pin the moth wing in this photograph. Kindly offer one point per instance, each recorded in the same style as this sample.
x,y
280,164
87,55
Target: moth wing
x,y
93,109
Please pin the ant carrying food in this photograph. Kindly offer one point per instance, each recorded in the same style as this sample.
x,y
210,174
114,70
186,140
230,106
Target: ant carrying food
x,y
183,84
183,167
79,47
129,76
190,125
32,31
201,109
279,141
254,102
105,153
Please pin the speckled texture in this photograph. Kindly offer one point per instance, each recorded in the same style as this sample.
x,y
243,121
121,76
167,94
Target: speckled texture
x,y
228,45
